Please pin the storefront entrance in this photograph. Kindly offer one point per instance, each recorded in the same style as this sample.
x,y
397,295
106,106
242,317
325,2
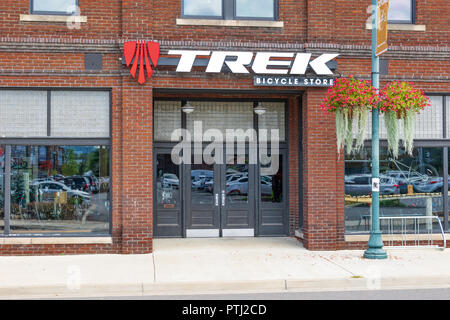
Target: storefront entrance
x,y
221,198
225,191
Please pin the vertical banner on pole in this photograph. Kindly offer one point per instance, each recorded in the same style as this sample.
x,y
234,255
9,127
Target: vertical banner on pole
x,y
382,32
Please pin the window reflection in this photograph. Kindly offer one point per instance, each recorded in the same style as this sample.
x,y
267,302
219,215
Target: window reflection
x,y
236,179
59,189
255,8
409,186
202,183
203,8
400,10
168,181
54,5
272,179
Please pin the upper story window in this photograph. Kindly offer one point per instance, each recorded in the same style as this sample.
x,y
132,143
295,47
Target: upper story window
x,y
60,7
401,11
230,9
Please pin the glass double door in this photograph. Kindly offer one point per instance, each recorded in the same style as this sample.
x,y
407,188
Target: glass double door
x,y
232,197
220,198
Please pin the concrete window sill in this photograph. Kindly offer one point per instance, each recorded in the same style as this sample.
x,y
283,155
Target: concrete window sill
x,y
56,240
230,23
52,18
401,27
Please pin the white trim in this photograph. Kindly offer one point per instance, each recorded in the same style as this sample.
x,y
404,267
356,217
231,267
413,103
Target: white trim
x,y
407,237
57,240
238,232
401,27
230,23
52,18
202,233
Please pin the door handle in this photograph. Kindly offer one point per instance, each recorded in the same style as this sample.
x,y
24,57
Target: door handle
x,y
223,198
217,199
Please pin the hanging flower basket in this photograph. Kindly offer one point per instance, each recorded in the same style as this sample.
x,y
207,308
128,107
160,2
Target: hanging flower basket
x,y
351,100
400,102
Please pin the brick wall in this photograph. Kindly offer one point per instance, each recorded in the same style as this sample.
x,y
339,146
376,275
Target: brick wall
x,y
36,54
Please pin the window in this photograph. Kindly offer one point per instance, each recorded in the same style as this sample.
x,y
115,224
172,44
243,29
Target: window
x,y
23,113
167,119
429,123
79,114
58,182
409,186
63,7
255,9
220,115
207,8
42,201
230,9
401,11
273,119
423,171
76,114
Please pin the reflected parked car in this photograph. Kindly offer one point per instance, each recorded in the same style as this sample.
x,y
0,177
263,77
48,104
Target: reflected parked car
x,y
81,183
434,184
170,180
404,178
209,184
94,185
360,185
240,186
51,187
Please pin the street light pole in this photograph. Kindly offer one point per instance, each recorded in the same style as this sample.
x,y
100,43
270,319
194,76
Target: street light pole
x,y
375,250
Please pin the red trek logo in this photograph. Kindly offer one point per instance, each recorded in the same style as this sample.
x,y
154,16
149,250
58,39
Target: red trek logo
x,y
136,52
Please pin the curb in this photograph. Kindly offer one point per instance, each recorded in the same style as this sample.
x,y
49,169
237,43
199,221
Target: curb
x,y
187,288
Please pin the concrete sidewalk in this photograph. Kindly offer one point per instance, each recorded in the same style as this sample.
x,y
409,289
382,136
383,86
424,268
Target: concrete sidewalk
x,y
185,266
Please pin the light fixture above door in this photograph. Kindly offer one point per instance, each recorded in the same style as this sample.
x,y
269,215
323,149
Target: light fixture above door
x,y
259,109
187,108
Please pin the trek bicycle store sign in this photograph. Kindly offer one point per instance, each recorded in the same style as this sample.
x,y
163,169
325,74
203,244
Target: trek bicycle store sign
x,y
269,68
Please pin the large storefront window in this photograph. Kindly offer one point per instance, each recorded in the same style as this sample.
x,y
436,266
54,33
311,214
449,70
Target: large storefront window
x,y
409,186
59,184
59,189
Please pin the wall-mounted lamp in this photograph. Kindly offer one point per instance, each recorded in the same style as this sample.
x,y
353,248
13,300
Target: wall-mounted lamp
x,y
259,109
187,108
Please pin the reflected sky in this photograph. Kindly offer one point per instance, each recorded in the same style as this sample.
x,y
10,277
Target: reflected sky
x,y
399,10
203,7
53,5
255,8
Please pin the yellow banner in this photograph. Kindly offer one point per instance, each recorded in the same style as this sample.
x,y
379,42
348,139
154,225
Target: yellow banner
x,y
382,32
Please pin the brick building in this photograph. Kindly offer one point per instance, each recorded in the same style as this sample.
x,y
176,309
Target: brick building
x,y
85,148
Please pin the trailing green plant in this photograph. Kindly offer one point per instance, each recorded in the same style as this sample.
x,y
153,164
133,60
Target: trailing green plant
x,y
400,101
351,100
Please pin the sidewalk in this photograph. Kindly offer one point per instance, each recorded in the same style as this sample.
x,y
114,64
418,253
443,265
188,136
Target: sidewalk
x,y
184,266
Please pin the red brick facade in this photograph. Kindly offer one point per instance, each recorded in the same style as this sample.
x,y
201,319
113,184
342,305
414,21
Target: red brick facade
x,y
49,54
